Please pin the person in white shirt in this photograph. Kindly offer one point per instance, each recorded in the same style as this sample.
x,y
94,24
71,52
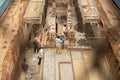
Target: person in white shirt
x,y
40,56
58,44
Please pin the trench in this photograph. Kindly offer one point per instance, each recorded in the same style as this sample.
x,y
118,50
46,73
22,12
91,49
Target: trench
x,y
78,58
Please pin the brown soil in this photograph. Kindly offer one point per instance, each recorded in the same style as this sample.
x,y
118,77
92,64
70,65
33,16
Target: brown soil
x,y
112,60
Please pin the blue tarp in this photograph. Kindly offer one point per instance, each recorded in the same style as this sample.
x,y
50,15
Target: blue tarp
x,y
3,5
117,2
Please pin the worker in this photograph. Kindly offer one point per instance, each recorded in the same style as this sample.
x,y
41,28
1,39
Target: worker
x,y
58,44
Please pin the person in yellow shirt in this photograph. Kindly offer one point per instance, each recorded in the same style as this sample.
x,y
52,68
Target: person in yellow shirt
x,y
58,44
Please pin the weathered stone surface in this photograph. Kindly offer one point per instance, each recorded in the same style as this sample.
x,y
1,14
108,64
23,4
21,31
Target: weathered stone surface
x,y
12,54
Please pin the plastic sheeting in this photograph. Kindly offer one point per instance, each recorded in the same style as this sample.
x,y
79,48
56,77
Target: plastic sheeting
x,y
3,6
117,2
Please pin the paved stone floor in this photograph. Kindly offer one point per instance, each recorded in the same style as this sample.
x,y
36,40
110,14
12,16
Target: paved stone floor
x,y
69,65
64,72
73,65
51,62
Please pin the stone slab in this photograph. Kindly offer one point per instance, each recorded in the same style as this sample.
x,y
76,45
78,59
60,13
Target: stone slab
x,y
48,68
66,72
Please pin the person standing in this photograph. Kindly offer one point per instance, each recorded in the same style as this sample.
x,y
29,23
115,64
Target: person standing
x,y
37,44
25,68
36,47
62,38
40,55
58,44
